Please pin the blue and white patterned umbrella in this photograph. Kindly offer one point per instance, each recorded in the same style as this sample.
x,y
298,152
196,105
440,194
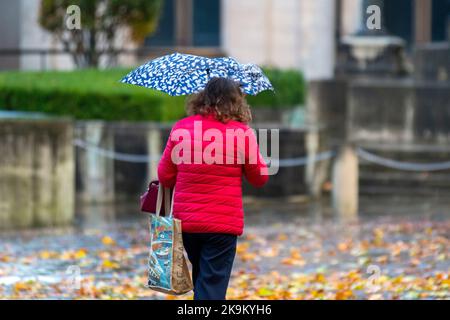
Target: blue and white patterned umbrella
x,y
251,78
181,74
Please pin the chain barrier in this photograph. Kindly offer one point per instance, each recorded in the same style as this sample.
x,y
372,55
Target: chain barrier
x,y
400,165
290,162
296,162
126,157
139,158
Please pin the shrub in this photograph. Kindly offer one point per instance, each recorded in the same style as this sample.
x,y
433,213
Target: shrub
x,y
98,94
289,91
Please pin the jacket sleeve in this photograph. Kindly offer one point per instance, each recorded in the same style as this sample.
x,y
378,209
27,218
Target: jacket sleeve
x,y
167,170
255,168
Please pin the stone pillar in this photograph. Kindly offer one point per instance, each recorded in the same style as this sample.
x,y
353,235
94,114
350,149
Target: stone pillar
x,y
36,173
154,148
95,172
317,38
316,172
345,183
350,16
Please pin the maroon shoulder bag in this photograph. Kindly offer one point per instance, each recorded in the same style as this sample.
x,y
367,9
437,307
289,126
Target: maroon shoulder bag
x,y
149,198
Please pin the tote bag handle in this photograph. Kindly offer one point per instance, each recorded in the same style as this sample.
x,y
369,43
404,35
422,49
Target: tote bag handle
x,y
168,200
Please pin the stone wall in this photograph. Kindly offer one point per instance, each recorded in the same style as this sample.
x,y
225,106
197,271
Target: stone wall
x,y
327,108
41,176
403,120
399,112
36,173
432,62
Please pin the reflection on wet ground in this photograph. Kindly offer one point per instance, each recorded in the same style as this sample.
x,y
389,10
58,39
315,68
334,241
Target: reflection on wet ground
x,y
291,249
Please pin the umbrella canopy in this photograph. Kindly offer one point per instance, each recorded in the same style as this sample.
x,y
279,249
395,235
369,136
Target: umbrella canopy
x,y
181,74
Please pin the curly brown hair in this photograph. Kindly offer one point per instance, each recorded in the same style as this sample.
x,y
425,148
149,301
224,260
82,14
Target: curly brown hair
x,y
223,98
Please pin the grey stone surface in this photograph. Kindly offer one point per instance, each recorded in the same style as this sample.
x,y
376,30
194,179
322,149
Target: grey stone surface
x,y
432,62
399,112
36,173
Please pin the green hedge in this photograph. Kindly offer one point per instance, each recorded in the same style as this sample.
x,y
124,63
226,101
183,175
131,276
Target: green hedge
x,y
289,90
97,94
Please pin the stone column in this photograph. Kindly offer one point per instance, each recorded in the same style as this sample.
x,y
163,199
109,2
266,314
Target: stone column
x,y
351,17
317,44
154,147
315,171
345,183
95,171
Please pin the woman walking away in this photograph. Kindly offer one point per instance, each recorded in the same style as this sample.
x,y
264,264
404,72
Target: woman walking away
x,y
206,156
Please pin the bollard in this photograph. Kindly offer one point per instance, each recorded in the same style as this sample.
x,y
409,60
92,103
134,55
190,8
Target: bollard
x,y
154,150
316,172
345,183
95,172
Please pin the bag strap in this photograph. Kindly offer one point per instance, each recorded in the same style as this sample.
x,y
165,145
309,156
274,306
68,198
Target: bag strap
x,y
171,203
168,200
159,199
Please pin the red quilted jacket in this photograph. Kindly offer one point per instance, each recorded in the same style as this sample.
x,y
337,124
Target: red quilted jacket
x,y
205,162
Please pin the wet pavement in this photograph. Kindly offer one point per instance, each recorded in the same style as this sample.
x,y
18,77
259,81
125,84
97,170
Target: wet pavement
x,y
396,248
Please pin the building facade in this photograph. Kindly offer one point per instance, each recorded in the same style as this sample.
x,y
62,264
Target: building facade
x,y
300,34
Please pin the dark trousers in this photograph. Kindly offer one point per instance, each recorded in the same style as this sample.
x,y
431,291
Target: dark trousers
x,y
211,256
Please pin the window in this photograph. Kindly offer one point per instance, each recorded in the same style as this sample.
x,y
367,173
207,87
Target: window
x,y
206,23
165,31
398,16
440,19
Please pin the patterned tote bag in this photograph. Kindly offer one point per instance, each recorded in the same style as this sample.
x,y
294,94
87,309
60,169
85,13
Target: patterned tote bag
x,y
168,270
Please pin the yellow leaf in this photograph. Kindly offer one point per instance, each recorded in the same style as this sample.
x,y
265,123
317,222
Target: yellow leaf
x,y
242,247
248,256
320,278
108,241
293,262
108,264
80,254
295,259
22,286
378,236
47,254
344,295
264,292
295,254
446,282
317,293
